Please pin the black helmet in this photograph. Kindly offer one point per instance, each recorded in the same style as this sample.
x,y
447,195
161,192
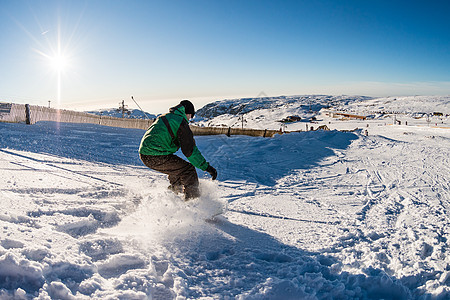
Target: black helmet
x,y
188,107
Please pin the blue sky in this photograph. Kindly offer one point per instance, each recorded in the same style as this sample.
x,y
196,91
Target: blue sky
x,y
164,51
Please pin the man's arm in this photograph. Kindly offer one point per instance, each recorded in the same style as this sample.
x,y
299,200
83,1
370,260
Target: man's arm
x,y
188,147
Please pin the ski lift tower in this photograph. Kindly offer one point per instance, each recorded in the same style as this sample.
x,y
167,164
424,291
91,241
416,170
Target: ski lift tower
x,y
123,108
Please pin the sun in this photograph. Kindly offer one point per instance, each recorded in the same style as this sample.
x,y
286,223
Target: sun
x,y
58,62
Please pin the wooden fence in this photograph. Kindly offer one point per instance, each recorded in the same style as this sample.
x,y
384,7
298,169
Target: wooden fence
x,y
233,131
30,114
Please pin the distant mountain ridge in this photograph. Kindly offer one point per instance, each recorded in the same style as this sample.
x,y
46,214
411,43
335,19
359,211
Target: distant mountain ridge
x,y
273,109
247,105
271,112
129,114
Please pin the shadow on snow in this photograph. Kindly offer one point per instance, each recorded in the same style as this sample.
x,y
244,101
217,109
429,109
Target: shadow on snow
x,y
89,142
266,160
238,261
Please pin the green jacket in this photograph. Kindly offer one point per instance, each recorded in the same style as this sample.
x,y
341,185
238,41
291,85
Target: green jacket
x,y
158,141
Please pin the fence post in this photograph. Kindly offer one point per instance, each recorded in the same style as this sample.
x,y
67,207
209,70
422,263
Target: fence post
x,y
27,114
229,132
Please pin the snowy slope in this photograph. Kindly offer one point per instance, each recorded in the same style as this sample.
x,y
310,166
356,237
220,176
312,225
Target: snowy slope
x,y
311,215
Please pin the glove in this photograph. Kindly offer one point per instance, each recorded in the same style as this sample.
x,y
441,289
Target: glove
x,y
212,172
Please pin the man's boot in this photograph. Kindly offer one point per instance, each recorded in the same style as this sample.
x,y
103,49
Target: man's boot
x,y
191,192
177,188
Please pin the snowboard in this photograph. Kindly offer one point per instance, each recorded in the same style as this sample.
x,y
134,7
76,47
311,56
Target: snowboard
x,y
215,216
208,209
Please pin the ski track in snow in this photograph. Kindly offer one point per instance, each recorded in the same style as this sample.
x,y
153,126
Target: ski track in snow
x,y
315,215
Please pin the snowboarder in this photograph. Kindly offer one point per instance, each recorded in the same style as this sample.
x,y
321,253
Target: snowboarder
x,y
164,137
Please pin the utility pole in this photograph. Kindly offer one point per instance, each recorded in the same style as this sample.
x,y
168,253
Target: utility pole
x,y
242,121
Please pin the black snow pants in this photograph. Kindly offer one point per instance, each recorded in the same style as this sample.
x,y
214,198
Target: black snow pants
x,y
182,174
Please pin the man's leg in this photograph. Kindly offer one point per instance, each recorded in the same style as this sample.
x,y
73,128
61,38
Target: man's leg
x,y
181,172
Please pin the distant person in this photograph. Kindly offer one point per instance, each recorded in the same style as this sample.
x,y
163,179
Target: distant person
x,y
164,137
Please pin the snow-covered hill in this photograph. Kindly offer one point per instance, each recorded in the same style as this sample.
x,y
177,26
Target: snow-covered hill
x,y
267,112
129,113
311,215
417,106
301,103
